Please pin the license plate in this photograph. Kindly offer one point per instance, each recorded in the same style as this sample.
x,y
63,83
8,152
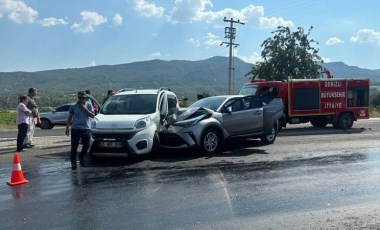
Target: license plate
x,y
109,144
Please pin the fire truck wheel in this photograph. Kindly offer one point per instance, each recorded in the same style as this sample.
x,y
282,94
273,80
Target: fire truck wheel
x,y
345,121
319,122
269,138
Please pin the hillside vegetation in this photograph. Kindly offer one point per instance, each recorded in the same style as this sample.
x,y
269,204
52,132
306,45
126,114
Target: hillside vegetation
x,y
185,78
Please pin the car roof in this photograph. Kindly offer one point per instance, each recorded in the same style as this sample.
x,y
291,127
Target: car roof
x,y
141,91
229,96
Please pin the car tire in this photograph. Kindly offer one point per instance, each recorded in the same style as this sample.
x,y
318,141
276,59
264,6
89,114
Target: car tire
x,y
271,137
211,141
45,124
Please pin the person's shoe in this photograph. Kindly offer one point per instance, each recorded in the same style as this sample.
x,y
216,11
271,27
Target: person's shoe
x,y
28,146
73,166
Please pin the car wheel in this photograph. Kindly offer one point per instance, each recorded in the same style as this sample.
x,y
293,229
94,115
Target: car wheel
x,y
269,138
45,124
211,141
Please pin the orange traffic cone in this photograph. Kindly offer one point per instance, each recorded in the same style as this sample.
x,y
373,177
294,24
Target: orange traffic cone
x,y
17,176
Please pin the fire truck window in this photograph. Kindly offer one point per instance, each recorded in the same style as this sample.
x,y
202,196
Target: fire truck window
x,y
299,102
254,103
248,90
363,97
264,91
274,92
357,97
269,91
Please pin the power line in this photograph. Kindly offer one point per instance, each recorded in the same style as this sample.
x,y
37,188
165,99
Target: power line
x,y
230,33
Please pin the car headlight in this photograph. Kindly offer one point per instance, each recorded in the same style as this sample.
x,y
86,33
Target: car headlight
x,y
143,123
190,122
94,122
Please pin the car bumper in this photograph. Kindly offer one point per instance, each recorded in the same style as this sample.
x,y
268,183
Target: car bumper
x,y
122,142
179,138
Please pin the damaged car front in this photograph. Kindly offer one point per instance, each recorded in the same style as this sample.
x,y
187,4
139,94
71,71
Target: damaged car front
x,y
183,130
207,123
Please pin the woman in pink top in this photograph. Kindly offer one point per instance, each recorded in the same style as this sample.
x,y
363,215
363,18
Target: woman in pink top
x,y
22,121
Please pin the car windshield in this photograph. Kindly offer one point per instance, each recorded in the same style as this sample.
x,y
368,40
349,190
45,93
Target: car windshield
x,y
130,104
248,90
212,103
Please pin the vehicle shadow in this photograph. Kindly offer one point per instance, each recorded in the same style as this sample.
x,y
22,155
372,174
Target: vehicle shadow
x,y
232,148
114,161
302,131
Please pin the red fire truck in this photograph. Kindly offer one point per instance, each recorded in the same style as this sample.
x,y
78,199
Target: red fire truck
x,y
339,102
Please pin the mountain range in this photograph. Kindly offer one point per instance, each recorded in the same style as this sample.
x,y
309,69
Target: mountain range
x,y
185,78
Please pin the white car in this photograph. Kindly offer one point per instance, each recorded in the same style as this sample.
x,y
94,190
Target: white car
x,y
129,122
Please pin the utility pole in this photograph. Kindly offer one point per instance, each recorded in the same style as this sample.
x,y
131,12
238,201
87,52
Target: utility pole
x,y
230,32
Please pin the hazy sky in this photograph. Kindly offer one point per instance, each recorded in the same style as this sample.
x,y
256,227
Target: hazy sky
x,y
44,34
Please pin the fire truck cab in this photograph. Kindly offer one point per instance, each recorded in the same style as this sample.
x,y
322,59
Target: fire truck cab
x,y
339,102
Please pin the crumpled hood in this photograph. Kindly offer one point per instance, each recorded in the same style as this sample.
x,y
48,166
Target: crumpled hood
x,y
186,113
117,121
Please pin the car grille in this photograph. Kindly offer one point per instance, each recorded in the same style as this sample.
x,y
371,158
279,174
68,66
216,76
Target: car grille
x,y
171,139
127,136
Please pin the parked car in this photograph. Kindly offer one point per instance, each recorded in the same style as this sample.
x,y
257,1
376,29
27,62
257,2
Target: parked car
x,y
58,115
207,123
129,122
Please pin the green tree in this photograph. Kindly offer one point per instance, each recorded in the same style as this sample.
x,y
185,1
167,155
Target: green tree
x,y
288,55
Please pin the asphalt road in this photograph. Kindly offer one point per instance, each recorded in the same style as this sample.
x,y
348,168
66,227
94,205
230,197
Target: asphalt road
x,y
308,179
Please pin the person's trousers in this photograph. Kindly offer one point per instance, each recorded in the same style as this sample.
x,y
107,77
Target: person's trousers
x,y
30,133
76,135
21,135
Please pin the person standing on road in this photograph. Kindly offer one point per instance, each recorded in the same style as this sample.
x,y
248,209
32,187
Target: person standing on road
x,y
79,117
22,121
34,118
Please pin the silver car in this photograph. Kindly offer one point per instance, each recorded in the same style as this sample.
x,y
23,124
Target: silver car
x,y
58,115
207,123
